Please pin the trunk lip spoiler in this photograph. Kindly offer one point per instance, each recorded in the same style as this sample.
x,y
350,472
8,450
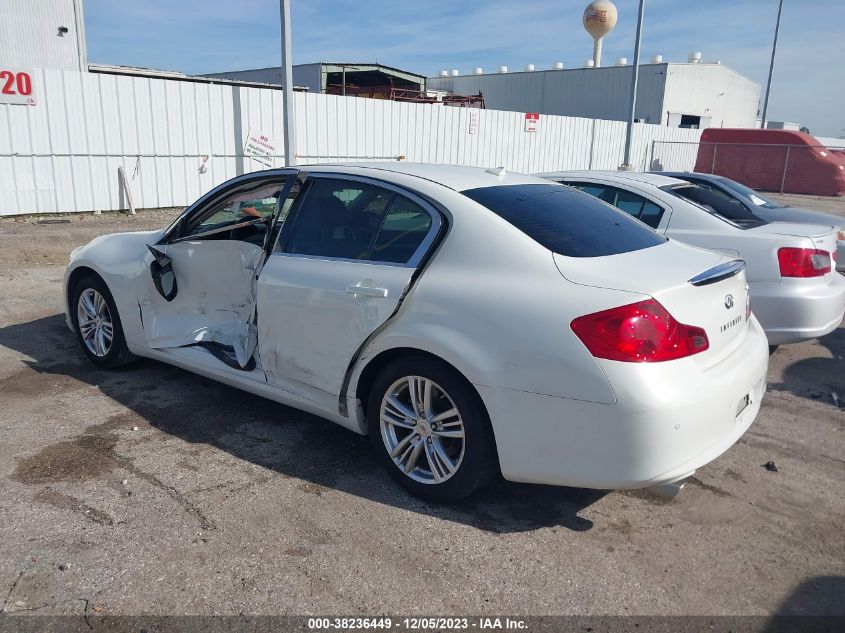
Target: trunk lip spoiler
x,y
722,271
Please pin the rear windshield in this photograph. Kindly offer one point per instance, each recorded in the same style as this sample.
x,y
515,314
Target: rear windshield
x,y
717,203
755,196
566,221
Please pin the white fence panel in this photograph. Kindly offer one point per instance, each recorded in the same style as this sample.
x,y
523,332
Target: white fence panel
x,y
62,154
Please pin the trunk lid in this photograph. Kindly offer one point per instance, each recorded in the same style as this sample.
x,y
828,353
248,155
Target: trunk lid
x,y
822,237
698,287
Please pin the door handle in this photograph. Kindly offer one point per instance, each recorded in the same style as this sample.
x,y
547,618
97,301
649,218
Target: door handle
x,y
367,291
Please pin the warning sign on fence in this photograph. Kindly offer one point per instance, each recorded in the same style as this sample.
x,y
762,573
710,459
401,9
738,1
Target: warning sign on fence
x,y
261,148
473,122
532,121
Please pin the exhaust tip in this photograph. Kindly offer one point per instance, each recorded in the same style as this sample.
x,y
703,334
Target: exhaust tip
x,y
668,490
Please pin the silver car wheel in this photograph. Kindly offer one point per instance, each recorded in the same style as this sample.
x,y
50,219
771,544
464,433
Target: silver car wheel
x,y
422,430
94,321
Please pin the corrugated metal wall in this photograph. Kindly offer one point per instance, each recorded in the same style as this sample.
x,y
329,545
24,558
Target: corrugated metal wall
x,y
602,93
29,34
63,153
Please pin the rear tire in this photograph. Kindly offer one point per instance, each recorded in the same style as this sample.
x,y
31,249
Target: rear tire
x,y
443,448
97,324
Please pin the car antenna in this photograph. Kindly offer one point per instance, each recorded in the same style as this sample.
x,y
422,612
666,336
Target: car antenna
x,y
497,171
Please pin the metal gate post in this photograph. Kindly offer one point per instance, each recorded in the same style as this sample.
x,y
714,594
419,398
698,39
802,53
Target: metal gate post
x,y
785,165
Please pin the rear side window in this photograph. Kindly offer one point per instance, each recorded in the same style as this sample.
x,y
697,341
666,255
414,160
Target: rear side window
x,y
566,221
627,201
403,230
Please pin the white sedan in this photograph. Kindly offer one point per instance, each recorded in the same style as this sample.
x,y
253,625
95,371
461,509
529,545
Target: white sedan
x,y
795,291
470,321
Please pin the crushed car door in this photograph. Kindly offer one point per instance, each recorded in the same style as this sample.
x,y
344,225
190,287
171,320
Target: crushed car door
x,y
344,261
203,272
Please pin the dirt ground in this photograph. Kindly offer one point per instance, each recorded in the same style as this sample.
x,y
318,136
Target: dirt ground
x,y
149,490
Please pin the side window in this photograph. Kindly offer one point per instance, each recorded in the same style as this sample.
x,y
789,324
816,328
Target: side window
x,y
599,191
251,202
403,230
284,211
339,218
287,203
630,203
636,206
593,190
651,214
348,220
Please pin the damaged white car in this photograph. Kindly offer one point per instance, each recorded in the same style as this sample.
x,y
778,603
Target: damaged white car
x,y
470,321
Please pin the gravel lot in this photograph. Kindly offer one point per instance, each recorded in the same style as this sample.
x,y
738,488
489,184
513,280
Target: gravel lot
x,y
149,490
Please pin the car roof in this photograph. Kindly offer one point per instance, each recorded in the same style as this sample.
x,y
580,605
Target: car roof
x,y
658,180
459,178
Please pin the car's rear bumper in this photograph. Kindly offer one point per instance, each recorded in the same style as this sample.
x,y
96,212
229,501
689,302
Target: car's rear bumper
x,y
669,420
795,310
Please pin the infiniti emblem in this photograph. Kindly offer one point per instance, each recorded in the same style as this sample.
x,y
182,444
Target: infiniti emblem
x,y
729,301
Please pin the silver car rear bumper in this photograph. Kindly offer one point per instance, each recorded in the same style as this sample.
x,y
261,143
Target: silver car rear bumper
x,y
794,310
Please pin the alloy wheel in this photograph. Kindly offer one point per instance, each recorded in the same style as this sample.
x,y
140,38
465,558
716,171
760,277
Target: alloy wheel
x,y
422,430
95,322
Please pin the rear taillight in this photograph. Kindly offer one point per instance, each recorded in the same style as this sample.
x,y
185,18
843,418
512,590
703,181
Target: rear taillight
x,y
641,332
803,262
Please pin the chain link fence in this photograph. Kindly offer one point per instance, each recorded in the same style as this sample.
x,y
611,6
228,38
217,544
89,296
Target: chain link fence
x,y
803,169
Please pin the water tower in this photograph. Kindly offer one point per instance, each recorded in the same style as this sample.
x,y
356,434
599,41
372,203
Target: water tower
x,y
599,20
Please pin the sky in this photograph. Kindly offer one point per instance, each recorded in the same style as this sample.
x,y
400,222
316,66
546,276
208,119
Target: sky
x,y
203,36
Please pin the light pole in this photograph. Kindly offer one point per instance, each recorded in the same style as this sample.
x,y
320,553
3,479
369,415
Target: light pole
x,y
771,68
626,162
288,126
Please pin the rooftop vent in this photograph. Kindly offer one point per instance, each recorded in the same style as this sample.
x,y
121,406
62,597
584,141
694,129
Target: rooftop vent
x,y
694,58
657,59
557,66
455,72
589,63
444,73
529,68
622,61
478,71
503,69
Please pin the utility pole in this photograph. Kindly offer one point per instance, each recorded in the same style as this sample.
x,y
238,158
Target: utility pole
x,y
288,125
771,68
626,162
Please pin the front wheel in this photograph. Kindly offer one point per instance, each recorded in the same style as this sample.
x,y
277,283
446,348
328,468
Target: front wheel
x,y
428,427
97,324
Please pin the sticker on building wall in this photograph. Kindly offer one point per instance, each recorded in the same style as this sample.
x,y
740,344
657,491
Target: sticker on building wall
x,y
474,116
16,86
532,121
261,148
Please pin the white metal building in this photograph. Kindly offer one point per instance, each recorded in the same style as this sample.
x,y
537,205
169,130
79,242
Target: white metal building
x,y
42,34
695,94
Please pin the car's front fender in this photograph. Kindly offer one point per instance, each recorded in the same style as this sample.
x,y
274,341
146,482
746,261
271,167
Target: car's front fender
x,y
121,260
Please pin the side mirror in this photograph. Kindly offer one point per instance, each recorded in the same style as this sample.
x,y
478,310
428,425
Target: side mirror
x,y
164,279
